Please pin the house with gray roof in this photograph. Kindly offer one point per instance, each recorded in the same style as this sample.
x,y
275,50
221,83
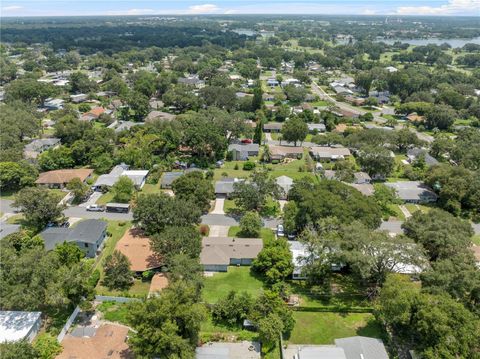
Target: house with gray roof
x,y
242,151
225,186
220,350
220,252
413,191
285,183
323,153
192,80
415,153
126,125
272,127
316,127
345,348
16,326
138,177
38,146
168,178
89,235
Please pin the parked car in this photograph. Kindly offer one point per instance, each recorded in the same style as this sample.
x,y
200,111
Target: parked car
x,y
247,140
95,208
64,224
291,236
280,232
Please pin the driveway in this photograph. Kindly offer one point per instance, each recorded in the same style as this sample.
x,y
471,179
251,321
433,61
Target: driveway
x,y
92,199
218,231
218,209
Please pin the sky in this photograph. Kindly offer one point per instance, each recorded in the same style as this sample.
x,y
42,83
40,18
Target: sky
x,y
9,8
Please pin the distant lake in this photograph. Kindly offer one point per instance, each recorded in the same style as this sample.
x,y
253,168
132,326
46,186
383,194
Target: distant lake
x,y
421,42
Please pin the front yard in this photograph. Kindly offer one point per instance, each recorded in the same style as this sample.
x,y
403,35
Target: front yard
x,y
237,279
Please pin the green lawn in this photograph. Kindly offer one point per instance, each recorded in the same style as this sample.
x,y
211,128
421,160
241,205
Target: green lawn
x,y
265,233
237,278
116,230
325,327
398,213
105,198
139,289
320,103
114,312
229,206
476,239
151,188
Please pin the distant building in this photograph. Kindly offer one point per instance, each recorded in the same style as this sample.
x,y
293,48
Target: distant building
x,y
78,98
415,153
93,114
89,236
192,80
220,252
16,326
318,127
320,153
159,116
38,146
168,178
272,127
53,104
278,153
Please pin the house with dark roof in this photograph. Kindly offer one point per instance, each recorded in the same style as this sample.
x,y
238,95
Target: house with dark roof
x,y
168,178
242,151
415,153
272,127
38,146
225,186
89,235
220,252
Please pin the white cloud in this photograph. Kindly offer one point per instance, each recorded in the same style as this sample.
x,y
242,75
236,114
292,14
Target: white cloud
x,y
12,8
369,12
203,9
132,12
453,7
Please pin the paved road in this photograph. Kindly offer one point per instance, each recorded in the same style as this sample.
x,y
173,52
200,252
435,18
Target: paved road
x,y
392,226
81,212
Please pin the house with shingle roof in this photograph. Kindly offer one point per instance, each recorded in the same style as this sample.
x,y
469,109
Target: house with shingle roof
x,y
242,151
60,178
321,153
38,146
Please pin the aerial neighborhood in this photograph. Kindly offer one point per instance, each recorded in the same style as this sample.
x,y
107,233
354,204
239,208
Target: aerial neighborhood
x,y
233,186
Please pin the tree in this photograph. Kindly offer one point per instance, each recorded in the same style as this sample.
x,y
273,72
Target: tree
x,y
80,83
385,196
102,163
139,103
117,271
196,187
173,241
233,309
269,303
167,326
405,139
364,80
16,175
253,195
270,329
220,97
250,224
56,158
39,206
181,97
78,188
295,94
69,253
123,190
290,211
156,211
18,350
440,116
441,234
376,161
257,101
274,261
294,130
257,137
29,90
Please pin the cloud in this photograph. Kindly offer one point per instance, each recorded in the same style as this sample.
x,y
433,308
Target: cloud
x,y
203,9
12,8
453,7
132,12
369,12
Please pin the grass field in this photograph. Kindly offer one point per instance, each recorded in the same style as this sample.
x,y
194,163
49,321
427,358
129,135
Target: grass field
x,y
265,233
398,213
139,289
324,327
237,278
476,239
114,312
105,198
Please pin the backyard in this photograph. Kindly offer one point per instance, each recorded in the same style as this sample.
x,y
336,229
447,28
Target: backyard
x,y
236,279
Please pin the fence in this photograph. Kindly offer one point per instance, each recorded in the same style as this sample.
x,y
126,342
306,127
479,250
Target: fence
x,y
106,298
68,324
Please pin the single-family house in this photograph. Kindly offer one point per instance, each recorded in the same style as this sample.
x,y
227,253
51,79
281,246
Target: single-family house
x,y
106,181
125,125
340,90
413,191
381,96
78,98
361,178
366,189
278,153
220,252
285,183
168,178
136,247
345,348
159,116
93,114
299,252
53,104
321,153
272,127
415,153
89,235
316,127
225,186
60,178
37,146
192,80
272,82
224,350
268,97
242,151
16,326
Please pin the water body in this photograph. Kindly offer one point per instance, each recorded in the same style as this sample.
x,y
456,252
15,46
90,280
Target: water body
x,y
454,43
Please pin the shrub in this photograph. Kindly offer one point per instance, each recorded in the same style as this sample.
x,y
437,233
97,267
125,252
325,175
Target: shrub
x,y
147,275
275,162
248,166
236,166
204,229
229,156
121,224
94,278
47,346
209,174
250,224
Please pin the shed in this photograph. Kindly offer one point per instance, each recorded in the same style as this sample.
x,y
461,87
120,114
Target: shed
x,y
16,325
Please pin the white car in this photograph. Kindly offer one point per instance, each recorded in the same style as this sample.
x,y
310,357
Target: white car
x,y
280,232
95,208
